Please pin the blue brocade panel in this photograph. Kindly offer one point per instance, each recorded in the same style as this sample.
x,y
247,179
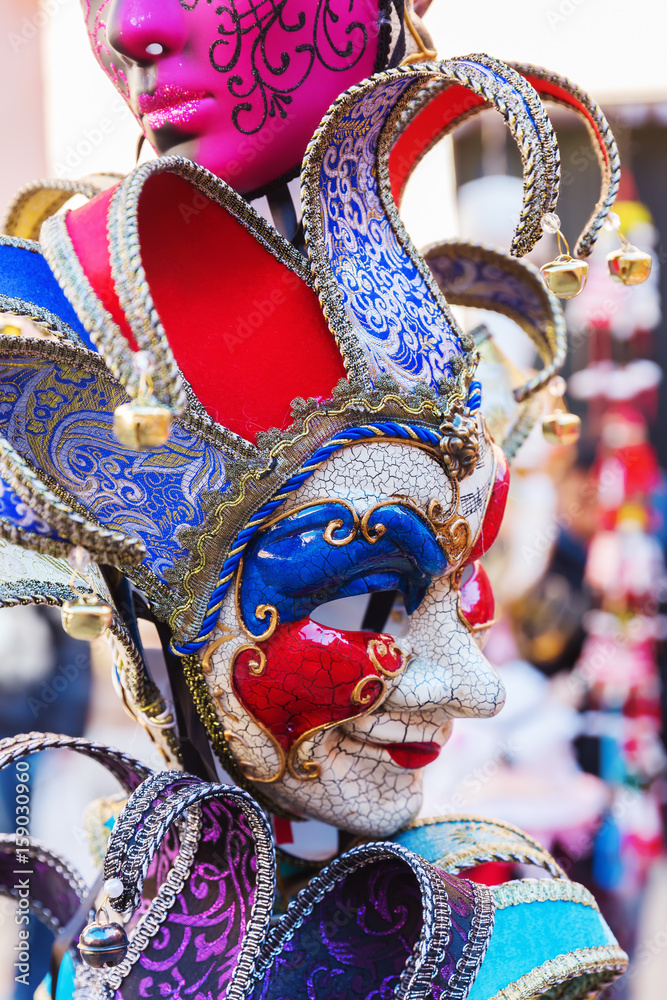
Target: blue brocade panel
x,y
401,327
59,418
14,510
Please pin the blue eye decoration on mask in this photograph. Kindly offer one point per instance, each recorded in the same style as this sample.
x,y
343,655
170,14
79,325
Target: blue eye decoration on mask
x,y
326,551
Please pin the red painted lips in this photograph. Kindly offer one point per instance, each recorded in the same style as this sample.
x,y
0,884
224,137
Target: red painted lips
x,y
411,756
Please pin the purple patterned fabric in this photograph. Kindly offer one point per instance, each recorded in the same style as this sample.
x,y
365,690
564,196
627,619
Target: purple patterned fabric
x,y
196,949
471,916
380,922
356,942
51,889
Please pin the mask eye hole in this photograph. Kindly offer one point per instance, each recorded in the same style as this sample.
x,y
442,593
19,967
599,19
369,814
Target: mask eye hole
x,y
382,611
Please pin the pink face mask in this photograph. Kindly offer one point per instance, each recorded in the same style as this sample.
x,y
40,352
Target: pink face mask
x,y
238,86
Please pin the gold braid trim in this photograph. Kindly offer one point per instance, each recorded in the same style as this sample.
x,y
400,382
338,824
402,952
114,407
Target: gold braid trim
x,y
205,707
543,890
568,977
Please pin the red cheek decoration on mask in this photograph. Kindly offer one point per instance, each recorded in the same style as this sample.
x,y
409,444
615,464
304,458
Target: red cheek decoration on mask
x,y
306,677
495,510
476,603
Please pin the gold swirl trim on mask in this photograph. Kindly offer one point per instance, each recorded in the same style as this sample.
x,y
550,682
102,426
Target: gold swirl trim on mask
x,y
360,696
257,666
338,523
221,698
377,648
257,669
262,611
213,647
373,533
310,770
246,766
451,530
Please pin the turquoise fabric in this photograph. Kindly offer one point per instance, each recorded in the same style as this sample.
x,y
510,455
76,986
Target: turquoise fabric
x,y
24,274
530,934
428,842
66,979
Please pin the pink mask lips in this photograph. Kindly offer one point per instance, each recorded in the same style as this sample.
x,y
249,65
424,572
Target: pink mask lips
x,y
170,105
411,756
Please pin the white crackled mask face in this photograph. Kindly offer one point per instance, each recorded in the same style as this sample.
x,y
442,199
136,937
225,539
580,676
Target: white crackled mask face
x,y
352,640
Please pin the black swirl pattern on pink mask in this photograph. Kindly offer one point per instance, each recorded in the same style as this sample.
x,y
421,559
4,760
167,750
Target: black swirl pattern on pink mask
x,y
301,34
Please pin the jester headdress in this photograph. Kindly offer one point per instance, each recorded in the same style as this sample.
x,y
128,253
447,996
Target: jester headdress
x,y
272,361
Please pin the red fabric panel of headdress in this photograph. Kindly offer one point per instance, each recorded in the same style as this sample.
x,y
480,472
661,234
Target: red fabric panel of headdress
x,y
546,89
433,120
247,333
87,227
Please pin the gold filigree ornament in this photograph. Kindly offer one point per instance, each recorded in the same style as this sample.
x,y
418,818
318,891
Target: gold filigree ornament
x,y
87,617
262,611
247,768
451,529
336,525
627,265
360,695
207,659
144,424
459,442
310,770
565,276
257,665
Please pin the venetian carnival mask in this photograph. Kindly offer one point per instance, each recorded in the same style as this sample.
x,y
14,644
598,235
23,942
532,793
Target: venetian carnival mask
x,y
309,535
338,705
240,86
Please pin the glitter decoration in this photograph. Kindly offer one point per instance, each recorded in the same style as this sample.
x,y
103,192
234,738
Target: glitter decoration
x,y
170,105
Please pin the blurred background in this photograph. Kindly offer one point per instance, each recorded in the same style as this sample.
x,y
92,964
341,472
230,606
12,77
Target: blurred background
x,y
577,758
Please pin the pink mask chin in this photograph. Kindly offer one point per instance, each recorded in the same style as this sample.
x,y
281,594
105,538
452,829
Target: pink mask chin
x,y
239,86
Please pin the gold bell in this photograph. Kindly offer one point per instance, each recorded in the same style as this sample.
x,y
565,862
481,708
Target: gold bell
x,y
629,265
86,618
561,428
143,425
565,276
